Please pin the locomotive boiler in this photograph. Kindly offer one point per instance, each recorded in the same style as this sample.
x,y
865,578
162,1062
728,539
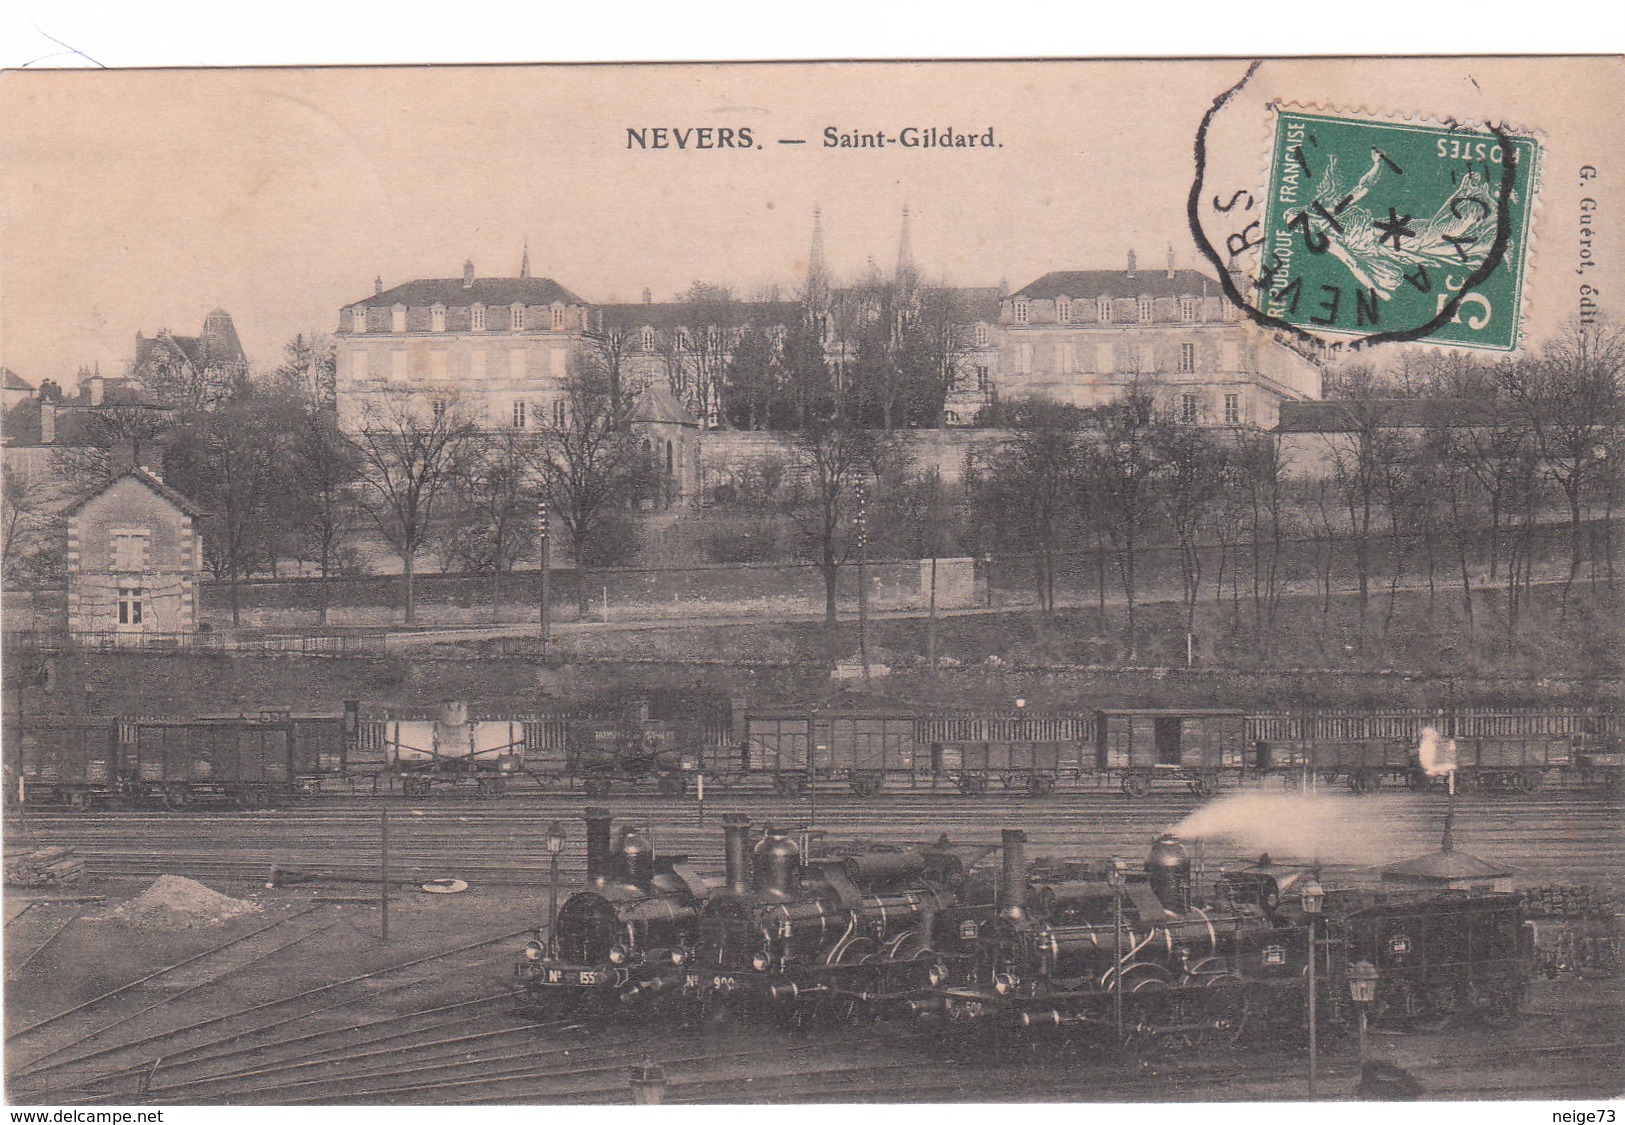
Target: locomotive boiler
x,y
843,932
625,935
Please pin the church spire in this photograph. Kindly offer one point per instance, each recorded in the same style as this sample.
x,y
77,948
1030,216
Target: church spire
x,y
905,252
815,255
524,262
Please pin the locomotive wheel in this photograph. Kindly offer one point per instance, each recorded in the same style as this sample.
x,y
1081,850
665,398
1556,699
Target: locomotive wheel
x,y
1136,784
492,787
1040,785
415,787
972,785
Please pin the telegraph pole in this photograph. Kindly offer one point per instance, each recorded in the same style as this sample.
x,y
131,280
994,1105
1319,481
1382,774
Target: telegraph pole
x,y
863,578
541,534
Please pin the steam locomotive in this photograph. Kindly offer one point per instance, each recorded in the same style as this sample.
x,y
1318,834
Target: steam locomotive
x,y
1140,955
837,933
626,934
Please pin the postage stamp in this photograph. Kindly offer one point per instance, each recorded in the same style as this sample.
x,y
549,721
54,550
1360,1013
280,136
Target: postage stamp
x,y
1388,230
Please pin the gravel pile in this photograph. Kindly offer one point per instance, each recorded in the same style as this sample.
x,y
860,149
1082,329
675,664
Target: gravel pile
x,y
174,902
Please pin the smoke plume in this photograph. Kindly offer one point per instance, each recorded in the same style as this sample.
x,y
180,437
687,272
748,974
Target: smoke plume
x,y
1301,827
1436,755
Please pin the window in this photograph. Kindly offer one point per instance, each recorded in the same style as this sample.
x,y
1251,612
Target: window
x,y
558,363
647,339
1189,308
358,320
129,550
1019,311
437,318
397,319
516,318
476,318
1232,409
129,605
558,318
682,339
981,335
1103,310
1145,310
518,415
1063,310
1187,357
560,413
983,378
1187,408
1024,357
438,408
1067,355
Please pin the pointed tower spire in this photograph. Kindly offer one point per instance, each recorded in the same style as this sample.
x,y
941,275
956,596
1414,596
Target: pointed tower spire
x,y
524,262
815,255
905,252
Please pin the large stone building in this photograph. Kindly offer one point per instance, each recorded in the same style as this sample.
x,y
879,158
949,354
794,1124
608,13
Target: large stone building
x,y
1084,336
501,346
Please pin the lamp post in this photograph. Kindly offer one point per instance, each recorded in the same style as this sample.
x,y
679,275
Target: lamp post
x,y
1362,990
1115,877
1312,896
555,845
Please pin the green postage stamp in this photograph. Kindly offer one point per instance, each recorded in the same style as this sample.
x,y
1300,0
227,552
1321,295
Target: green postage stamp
x,y
1388,230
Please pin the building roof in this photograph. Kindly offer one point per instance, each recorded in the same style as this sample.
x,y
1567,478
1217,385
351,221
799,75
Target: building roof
x,y
1089,284
1342,416
145,478
1446,867
658,404
11,381
493,291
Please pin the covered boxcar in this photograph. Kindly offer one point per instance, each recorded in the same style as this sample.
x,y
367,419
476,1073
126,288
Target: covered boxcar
x,y
73,762
179,761
1195,745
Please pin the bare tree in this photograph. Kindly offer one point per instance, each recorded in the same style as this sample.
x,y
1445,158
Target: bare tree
x,y
1569,397
1192,477
827,462
591,468
1025,492
232,460
496,499
1124,482
1257,463
323,466
408,455
25,515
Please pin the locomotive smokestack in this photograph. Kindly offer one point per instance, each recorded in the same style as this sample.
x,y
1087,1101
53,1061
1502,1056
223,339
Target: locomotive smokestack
x,y
637,859
600,864
735,829
1013,878
1168,867
777,863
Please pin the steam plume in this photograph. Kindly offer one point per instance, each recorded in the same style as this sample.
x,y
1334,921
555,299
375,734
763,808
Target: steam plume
x,y
1436,755
1358,831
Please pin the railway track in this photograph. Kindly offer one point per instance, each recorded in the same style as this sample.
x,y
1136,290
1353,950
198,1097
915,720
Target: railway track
x,y
1555,836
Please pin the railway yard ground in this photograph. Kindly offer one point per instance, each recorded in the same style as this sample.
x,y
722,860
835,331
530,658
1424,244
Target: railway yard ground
x,y
295,998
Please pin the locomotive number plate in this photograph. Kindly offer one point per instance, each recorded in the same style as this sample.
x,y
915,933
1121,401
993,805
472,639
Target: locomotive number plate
x,y
691,982
587,977
965,1009
723,984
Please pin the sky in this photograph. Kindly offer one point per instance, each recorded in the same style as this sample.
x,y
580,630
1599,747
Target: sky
x,y
132,201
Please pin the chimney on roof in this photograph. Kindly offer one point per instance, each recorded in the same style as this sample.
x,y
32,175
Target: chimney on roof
x,y
47,421
98,387
648,297
377,284
1131,263
468,273
1170,261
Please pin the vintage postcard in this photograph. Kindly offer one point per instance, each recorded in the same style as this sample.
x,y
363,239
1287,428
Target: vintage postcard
x,y
827,582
